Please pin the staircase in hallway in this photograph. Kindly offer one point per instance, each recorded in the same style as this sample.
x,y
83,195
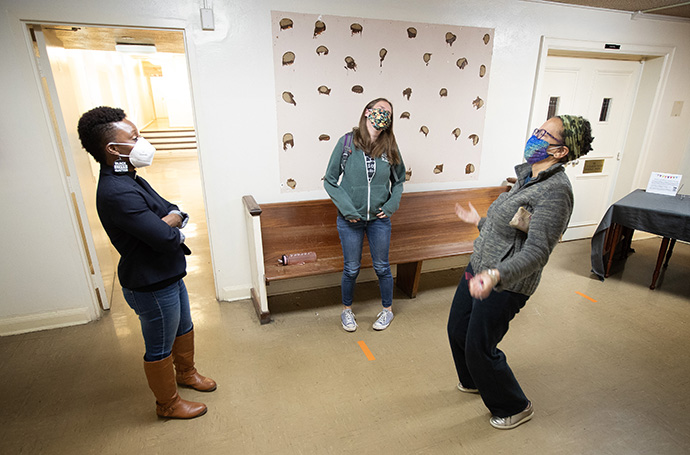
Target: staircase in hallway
x,y
172,140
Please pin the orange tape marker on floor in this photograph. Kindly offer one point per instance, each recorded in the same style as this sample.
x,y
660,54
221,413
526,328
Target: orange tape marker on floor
x,y
366,350
585,296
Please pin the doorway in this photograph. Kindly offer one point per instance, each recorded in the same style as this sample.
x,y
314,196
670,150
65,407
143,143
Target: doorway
x,y
617,94
144,72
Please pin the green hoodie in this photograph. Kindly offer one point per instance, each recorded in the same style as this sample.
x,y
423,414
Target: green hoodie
x,y
357,197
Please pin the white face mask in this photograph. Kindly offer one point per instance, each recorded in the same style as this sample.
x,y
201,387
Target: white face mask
x,y
141,154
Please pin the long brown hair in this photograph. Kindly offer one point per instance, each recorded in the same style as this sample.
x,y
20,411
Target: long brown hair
x,y
385,144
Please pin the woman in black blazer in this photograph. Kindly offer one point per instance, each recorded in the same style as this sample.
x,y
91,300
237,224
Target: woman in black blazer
x,y
145,230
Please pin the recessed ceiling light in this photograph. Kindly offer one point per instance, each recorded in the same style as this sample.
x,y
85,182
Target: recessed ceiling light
x,y
131,48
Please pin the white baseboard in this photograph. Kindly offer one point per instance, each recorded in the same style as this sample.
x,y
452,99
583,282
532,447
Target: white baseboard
x,y
314,282
43,321
434,265
642,235
234,293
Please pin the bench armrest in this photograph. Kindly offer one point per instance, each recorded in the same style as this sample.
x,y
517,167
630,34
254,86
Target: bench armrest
x,y
256,258
251,205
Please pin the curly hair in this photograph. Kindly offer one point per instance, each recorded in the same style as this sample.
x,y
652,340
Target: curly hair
x,y
95,128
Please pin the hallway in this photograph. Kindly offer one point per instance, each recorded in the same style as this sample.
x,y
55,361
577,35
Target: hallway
x,y
170,141
604,377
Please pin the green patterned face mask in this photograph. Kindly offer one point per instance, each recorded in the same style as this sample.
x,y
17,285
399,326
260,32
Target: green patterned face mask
x,y
573,130
380,118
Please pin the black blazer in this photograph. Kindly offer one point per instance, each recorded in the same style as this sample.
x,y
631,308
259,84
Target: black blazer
x,y
131,211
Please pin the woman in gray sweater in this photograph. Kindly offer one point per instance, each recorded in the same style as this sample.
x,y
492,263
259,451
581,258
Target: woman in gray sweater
x,y
515,240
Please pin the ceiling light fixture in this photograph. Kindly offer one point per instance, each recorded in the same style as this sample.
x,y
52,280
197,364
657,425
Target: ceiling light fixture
x,y
131,48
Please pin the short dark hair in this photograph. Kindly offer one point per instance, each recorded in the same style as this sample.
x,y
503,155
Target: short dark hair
x,y
95,128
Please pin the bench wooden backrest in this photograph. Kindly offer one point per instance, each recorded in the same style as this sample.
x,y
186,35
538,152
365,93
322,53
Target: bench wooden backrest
x,y
424,227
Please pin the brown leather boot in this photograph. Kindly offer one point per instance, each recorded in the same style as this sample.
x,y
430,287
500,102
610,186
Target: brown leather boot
x,y
161,377
183,357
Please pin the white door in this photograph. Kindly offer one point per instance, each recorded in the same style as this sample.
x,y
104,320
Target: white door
x,y
602,91
79,178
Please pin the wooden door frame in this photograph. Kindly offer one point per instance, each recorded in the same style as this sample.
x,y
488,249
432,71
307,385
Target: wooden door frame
x,y
54,118
51,104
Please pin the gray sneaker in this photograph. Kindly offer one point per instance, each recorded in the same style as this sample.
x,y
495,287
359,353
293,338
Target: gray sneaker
x,y
383,320
465,389
506,423
347,317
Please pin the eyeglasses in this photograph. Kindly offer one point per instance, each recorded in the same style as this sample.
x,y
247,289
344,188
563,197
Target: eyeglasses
x,y
540,133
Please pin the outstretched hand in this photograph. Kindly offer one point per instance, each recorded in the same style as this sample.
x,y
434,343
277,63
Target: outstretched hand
x,y
469,215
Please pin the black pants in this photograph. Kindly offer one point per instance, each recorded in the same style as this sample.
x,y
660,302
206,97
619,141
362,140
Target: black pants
x,y
475,327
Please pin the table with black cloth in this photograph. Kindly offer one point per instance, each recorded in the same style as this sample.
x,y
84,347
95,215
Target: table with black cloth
x,y
667,216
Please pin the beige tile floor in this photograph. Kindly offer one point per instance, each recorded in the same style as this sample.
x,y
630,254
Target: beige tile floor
x,y
610,377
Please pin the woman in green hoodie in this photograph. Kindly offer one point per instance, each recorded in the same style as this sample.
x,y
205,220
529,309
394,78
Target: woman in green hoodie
x,y
369,192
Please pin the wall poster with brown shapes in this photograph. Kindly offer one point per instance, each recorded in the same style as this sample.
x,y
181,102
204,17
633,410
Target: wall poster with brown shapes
x,y
328,67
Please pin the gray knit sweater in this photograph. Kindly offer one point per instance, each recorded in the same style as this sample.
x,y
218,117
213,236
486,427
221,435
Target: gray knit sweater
x,y
520,257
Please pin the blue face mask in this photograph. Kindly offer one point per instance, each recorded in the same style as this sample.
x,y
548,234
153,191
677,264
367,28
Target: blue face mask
x,y
535,150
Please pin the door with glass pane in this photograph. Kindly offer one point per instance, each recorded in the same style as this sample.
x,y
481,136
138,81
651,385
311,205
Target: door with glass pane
x,y
602,91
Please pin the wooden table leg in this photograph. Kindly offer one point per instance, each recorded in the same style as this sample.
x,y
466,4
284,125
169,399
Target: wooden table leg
x,y
670,252
626,248
615,237
659,261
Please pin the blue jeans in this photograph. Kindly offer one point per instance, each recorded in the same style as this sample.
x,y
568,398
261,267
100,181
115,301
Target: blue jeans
x,y
378,233
475,327
164,315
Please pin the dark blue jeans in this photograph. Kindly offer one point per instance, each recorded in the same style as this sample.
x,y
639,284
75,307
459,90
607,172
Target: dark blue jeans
x,y
475,327
164,315
378,232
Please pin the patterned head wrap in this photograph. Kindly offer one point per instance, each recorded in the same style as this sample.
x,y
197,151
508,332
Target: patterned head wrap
x,y
573,130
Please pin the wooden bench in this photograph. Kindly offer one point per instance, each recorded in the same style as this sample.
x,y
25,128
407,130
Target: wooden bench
x,y
424,227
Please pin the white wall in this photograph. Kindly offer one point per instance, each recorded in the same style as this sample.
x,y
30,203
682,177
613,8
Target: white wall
x,y
685,171
233,86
